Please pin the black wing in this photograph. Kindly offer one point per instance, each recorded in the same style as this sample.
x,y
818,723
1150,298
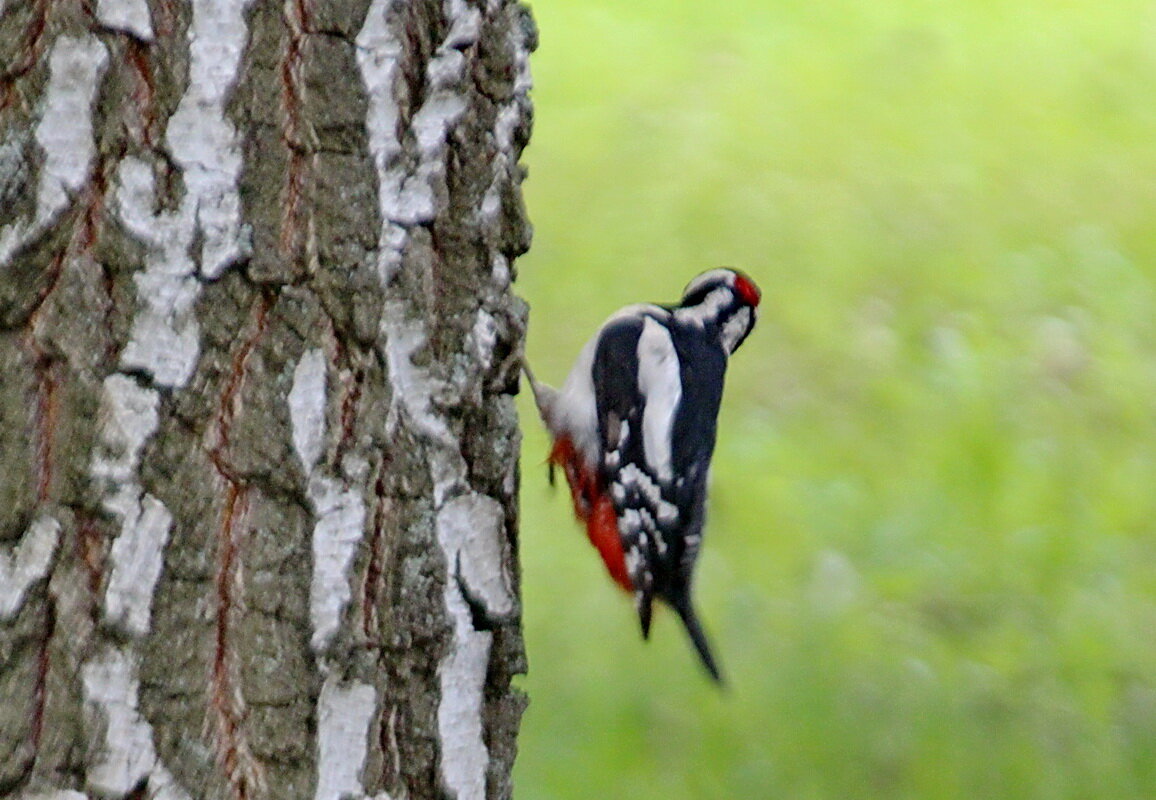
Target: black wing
x,y
702,365
620,407
660,517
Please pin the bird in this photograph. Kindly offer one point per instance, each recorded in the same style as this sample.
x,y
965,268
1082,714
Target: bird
x,y
633,430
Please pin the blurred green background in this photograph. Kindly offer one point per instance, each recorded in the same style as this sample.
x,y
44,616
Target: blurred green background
x,y
930,566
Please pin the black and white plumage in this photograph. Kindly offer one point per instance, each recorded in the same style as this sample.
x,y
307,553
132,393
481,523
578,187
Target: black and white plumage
x,y
634,429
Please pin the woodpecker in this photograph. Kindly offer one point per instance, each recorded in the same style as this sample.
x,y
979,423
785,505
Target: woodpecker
x,y
633,430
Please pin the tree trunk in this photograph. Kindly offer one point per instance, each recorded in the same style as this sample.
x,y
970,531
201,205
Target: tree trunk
x,y
258,446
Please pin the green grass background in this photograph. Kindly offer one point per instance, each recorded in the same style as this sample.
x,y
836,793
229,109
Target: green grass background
x,y
930,565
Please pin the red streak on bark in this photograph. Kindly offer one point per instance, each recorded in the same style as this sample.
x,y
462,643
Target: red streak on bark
x,y
226,703
387,739
93,203
48,366
47,409
84,231
375,569
230,403
297,21
90,551
54,271
349,413
163,17
143,92
27,56
43,663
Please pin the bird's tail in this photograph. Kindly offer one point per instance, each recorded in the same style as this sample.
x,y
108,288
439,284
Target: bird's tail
x,y
681,604
543,395
544,398
644,603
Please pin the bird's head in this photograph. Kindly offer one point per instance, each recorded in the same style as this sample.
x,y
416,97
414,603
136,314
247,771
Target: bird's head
x,y
726,298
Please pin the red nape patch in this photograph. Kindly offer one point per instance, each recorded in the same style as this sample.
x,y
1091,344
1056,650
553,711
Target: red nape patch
x,y
593,507
747,290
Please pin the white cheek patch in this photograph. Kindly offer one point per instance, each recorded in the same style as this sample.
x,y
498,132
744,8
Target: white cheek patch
x,y
734,329
660,383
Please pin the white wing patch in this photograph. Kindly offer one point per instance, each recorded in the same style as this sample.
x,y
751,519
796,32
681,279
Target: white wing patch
x,y
659,382
634,478
636,525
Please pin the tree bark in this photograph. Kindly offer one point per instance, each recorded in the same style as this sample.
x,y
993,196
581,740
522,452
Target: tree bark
x,y
258,447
